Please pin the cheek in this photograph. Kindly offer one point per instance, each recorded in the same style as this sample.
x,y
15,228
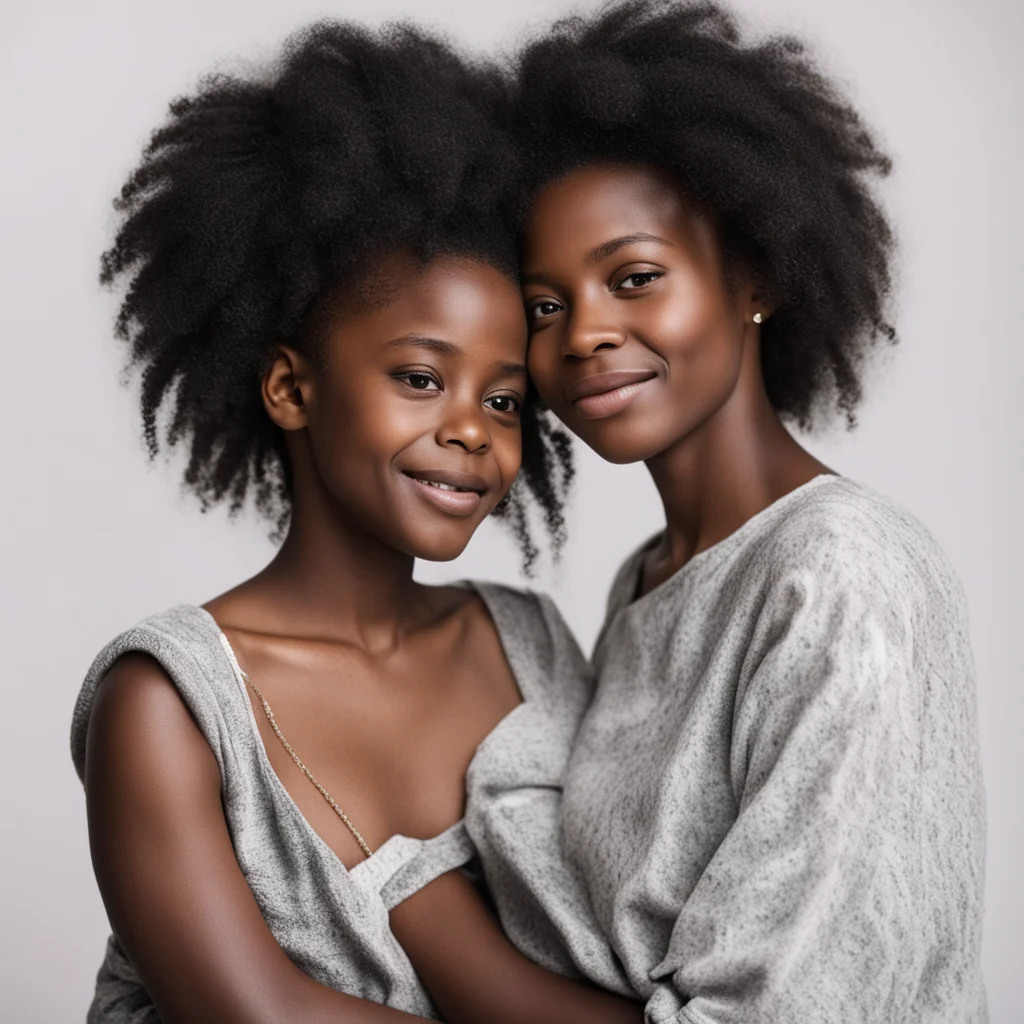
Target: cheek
x,y
696,339
543,363
354,436
372,414
508,454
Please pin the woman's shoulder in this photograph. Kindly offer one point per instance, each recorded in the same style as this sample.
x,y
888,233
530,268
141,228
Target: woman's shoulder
x,y
136,720
185,627
176,655
850,536
837,512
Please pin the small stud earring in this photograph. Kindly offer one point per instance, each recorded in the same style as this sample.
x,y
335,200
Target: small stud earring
x,y
758,318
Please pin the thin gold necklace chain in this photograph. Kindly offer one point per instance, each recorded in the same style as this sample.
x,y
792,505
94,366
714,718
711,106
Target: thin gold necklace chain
x,y
305,771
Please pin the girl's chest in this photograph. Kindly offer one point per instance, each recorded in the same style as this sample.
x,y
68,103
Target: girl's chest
x,y
381,755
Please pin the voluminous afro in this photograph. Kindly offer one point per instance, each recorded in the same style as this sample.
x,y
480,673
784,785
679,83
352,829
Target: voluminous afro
x,y
758,139
261,196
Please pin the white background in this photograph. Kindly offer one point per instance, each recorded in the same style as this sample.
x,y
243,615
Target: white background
x,y
94,538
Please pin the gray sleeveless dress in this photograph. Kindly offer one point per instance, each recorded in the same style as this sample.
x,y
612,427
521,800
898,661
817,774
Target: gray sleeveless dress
x,y
333,922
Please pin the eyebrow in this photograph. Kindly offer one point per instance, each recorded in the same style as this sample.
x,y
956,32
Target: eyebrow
x,y
599,252
446,348
510,369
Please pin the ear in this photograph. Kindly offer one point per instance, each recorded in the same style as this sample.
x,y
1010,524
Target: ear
x,y
288,388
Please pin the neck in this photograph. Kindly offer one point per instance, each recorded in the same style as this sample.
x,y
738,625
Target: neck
x,y
341,583
331,579
734,465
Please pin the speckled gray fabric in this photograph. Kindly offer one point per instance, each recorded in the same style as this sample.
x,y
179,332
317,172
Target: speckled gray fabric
x,y
513,815
774,800
332,923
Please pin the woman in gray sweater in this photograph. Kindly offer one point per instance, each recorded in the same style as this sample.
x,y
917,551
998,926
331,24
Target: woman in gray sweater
x,y
773,808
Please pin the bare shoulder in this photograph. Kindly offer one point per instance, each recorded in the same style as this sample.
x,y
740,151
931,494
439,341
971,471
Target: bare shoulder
x,y
140,726
136,690
134,683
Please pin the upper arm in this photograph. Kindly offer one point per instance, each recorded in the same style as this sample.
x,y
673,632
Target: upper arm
x,y
823,766
163,858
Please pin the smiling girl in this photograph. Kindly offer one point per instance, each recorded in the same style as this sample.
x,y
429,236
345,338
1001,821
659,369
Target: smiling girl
x,y
321,296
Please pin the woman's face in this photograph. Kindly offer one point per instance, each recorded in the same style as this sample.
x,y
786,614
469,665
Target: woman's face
x,y
412,419
636,338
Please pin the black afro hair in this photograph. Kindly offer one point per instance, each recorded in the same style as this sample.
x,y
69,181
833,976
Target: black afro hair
x,y
261,195
756,137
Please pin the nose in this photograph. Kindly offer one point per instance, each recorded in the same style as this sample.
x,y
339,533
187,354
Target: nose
x,y
588,332
465,427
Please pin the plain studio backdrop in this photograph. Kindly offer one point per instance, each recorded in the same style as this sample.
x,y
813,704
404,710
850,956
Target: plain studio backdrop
x,y
95,538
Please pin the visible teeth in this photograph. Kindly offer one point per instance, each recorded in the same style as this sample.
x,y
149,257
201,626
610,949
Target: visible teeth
x,y
445,487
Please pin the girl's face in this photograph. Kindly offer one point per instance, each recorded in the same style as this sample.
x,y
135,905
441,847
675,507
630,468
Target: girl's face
x,y
636,338
410,422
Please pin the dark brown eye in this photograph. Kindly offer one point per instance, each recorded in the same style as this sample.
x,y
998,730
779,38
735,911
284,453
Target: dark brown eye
x,y
639,279
542,309
419,381
503,403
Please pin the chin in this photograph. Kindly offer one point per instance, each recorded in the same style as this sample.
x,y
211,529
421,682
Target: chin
x,y
620,451
433,548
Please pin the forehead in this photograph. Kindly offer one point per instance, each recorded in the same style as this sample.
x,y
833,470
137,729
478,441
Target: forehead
x,y
592,204
401,284
457,299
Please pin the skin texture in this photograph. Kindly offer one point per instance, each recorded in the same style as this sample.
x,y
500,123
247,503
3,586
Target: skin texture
x,y
622,274
344,645
446,926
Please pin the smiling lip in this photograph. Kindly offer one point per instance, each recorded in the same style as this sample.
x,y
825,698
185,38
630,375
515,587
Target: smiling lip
x,y
603,394
456,493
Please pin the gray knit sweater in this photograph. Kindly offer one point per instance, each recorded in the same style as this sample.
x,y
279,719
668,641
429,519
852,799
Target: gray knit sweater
x,y
773,809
